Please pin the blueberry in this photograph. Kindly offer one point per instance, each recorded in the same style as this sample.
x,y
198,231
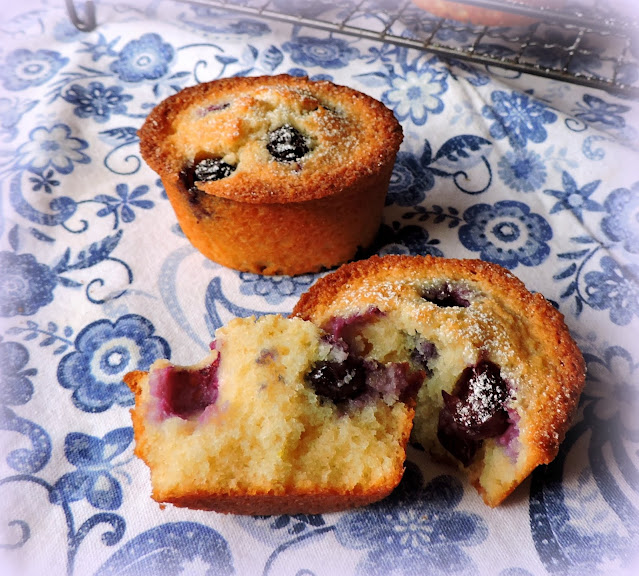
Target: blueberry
x,y
474,411
338,381
447,296
185,393
207,170
287,144
212,169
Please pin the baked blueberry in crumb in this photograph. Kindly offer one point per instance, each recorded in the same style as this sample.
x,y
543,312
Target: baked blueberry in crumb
x,y
348,328
474,411
287,144
422,353
447,296
212,169
207,170
184,393
338,381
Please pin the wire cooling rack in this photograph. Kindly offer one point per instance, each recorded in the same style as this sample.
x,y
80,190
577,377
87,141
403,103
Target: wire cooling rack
x,y
586,44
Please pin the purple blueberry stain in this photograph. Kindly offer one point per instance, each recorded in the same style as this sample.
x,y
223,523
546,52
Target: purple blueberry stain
x,y
423,352
205,111
287,144
395,379
347,328
474,412
338,381
184,392
266,356
448,296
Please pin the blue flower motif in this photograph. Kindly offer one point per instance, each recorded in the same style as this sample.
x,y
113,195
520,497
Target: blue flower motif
x,y
410,180
44,181
417,93
507,233
105,352
522,170
274,289
97,101
16,387
328,53
94,459
596,110
408,240
145,59
52,147
124,203
100,49
25,284
25,69
417,530
622,222
574,198
518,117
614,288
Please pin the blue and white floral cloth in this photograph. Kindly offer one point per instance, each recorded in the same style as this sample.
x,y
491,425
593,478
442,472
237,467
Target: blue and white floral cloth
x,y
96,279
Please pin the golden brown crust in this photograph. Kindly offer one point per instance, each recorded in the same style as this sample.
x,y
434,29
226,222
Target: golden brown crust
x,y
553,377
275,217
379,133
132,380
259,504
287,238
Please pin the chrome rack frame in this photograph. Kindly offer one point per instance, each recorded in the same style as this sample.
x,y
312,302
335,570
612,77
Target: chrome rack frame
x,y
576,25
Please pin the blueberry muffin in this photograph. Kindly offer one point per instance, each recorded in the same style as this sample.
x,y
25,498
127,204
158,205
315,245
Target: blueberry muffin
x,y
502,375
274,174
280,418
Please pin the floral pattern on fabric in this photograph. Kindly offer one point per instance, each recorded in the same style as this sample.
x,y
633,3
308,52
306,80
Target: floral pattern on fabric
x,y
105,352
507,233
97,280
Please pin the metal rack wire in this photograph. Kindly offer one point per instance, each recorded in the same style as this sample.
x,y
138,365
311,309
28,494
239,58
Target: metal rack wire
x,y
587,46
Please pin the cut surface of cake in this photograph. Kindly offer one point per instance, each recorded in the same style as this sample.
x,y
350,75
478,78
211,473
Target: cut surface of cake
x,y
503,376
274,174
279,418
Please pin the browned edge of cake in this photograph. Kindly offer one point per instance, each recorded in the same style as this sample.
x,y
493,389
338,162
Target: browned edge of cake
x,y
550,425
387,139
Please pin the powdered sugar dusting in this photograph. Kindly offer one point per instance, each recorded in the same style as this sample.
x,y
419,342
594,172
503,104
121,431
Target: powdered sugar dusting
x,y
484,398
